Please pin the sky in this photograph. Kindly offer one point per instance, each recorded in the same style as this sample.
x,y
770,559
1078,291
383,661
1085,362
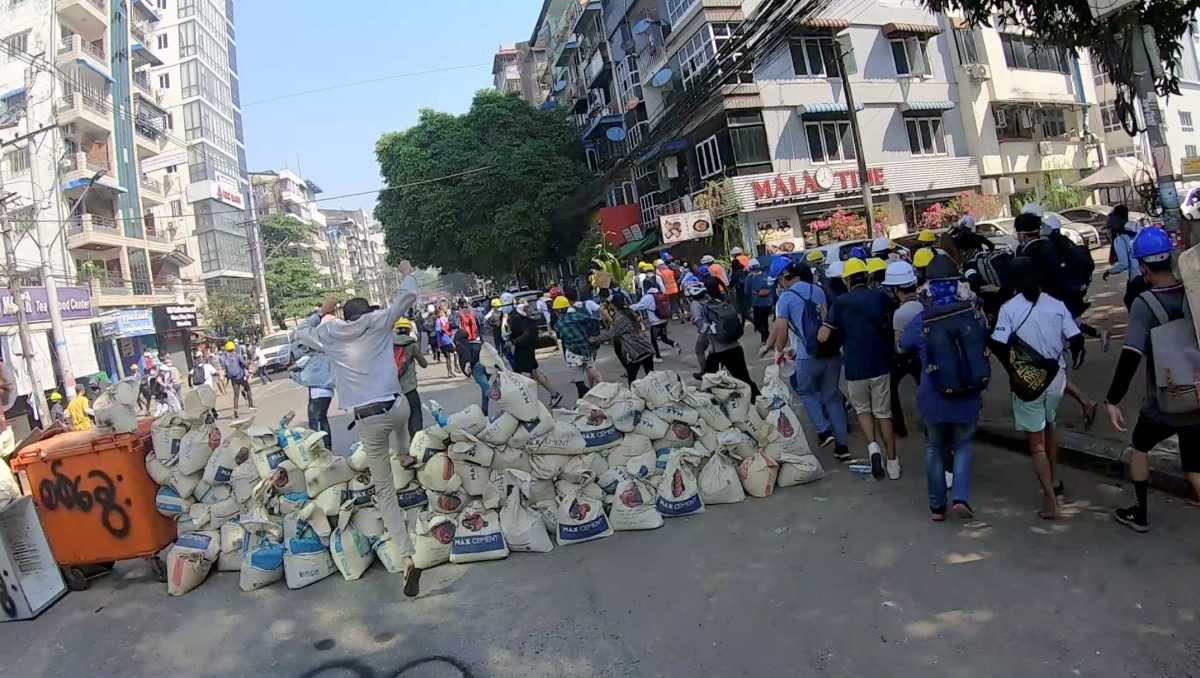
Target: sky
x,y
330,136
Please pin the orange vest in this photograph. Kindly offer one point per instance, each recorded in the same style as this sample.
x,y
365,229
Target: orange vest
x,y
668,277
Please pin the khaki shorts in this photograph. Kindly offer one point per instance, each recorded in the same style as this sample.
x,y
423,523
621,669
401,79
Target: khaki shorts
x,y
872,396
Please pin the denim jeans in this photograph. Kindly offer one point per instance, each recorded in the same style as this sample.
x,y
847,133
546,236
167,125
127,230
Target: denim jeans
x,y
816,382
318,417
485,387
941,440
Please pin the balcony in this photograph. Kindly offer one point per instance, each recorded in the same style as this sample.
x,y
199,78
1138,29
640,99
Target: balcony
x,y
138,30
75,48
152,193
99,233
141,82
79,168
88,17
579,11
149,123
1018,156
565,50
120,292
89,111
143,56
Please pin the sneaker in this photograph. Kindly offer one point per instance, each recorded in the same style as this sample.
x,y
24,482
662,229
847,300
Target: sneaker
x,y
962,510
949,479
555,400
825,439
876,455
1130,518
841,453
1105,340
658,359
893,469
937,515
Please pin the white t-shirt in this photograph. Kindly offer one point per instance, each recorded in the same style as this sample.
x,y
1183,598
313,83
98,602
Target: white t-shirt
x,y
210,372
904,315
1048,328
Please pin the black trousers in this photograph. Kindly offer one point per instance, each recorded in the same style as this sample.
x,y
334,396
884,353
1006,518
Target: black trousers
x,y
762,315
631,369
318,417
902,366
416,419
733,360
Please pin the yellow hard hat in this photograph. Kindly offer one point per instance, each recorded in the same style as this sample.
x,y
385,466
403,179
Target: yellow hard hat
x,y
815,256
403,324
922,258
925,235
854,267
229,346
561,303
496,303
645,266
658,262
55,397
875,264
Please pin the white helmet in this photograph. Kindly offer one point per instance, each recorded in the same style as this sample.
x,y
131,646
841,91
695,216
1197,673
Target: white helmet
x,y
880,244
737,251
967,222
695,289
707,259
834,270
900,274
506,299
1032,208
1050,224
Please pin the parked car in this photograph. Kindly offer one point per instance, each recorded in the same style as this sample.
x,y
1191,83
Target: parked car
x,y
1097,216
840,251
1003,233
273,352
1190,206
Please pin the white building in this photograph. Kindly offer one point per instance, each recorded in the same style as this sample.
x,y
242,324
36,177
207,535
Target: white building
x,y
360,259
285,192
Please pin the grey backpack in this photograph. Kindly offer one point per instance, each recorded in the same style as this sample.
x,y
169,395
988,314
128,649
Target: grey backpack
x,y
1176,359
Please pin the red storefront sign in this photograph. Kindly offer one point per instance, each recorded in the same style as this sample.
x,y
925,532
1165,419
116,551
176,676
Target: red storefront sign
x,y
812,185
617,223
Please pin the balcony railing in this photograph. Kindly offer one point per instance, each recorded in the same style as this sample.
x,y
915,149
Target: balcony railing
x,y
141,80
92,222
138,30
81,162
73,42
152,185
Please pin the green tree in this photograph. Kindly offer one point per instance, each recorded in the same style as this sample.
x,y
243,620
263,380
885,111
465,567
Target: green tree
x,y
284,235
230,314
496,222
293,287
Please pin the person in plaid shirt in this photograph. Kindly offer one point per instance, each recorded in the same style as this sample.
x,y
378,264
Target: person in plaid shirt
x,y
576,322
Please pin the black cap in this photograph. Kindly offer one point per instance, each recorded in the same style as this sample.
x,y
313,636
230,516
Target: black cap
x,y
357,307
1023,273
796,269
1026,223
942,268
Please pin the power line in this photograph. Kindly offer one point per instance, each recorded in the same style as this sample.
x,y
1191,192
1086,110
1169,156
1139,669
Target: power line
x,y
363,82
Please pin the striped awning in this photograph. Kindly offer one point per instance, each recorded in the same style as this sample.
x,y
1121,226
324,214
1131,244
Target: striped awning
x,y
12,93
894,30
819,24
925,106
827,108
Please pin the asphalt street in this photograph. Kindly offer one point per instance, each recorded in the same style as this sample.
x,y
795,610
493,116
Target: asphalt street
x,y
844,577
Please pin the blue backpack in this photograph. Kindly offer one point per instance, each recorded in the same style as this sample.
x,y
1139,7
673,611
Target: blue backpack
x,y
956,350
811,321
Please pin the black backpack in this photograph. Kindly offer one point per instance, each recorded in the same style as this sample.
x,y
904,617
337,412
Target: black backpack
x,y
725,323
956,350
197,374
1078,263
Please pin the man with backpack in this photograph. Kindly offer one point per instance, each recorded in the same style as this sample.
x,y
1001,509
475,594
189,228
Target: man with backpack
x,y
758,289
900,281
798,319
950,340
1161,329
862,318
656,310
406,353
722,326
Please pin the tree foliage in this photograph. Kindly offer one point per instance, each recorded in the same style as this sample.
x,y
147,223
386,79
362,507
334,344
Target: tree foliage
x,y
837,227
230,314
496,222
284,235
293,287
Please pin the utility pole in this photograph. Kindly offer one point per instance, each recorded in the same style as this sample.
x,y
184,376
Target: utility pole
x,y
864,182
38,401
258,263
1145,64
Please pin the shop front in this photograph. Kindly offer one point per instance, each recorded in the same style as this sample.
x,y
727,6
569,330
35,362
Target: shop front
x,y
123,338
174,325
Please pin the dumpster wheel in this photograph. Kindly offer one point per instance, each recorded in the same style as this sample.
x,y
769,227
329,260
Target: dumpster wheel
x,y
75,578
160,568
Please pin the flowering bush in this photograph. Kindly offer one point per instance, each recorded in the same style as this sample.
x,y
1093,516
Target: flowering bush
x,y
937,216
839,226
975,204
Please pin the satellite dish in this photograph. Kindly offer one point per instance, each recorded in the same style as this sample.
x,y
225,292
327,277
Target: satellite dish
x,y
8,396
615,134
560,85
661,78
641,27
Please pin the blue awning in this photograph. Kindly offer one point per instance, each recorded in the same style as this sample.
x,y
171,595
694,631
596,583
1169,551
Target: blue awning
x,y
12,93
923,106
664,148
146,9
87,64
602,122
81,183
140,50
827,108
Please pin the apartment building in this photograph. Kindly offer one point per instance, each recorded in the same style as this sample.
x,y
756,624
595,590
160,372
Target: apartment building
x,y
206,208
517,67
74,89
362,265
283,192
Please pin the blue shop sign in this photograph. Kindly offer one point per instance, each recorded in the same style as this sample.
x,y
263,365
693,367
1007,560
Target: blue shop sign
x,y
131,322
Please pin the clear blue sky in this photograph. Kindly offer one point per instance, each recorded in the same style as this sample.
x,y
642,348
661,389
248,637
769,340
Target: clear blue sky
x,y
326,43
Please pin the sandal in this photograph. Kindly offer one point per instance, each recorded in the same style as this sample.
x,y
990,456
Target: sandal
x,y
412,582
1047,515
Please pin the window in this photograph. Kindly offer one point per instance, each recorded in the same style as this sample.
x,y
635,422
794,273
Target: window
x,y
813,56
708,158
1054,122
1189,151
1109,118
677,8
13,44
162,4
621,194
829,141
1014,122
593,158
748,136
164,81
925,136
910,57
1185,122
695,54
162,40
1023,52
16,161
648,202
968,49
176,208
171,121
172,169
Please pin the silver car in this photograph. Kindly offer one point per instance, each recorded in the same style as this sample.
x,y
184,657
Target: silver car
x,y
1003,234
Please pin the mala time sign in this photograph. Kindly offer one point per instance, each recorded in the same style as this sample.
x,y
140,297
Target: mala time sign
x,y
822,182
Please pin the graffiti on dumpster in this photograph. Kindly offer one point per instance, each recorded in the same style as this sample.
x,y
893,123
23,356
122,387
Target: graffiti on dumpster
x,y
64,491
6,600
358,669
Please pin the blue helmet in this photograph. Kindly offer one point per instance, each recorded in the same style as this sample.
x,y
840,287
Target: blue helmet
x,y
778,264
1152,244
703,271
858,253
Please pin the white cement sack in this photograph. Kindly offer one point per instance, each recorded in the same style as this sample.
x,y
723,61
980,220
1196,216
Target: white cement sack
x,y
564,439
368,520
411,496
308,449
736,443
798,469
165,435
597,462
352,552
522,525
490,360
428,442
645,465
184,484
448,503
649,425
499,430
478,536
708,408
361,489
548,510
515,394
114,409
633,506
432,535
222,511
677,413
357,459
618,402
633,445
576,471
581,516
659,388
774,392
784,433
470,422
706,436
243,479
330,499
609,480
528,430
546,466
471,450
287,478
185,570
302,569
183,525
233,536
207,543
319,477
291,501
510,457
758,475
203,489
732,394
678,490
194,451
754,425
220,464
475,479
719,481
299,536
158,471
199,515
267,459
678,435
199,402
438,474
387,551
262,563
597,429
496,491
401,475
541,491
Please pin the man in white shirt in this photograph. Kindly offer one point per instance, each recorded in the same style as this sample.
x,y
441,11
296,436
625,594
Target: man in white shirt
x,y
359,347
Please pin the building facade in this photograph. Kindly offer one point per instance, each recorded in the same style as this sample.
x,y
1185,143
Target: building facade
x,y
518,68
283,192
361,261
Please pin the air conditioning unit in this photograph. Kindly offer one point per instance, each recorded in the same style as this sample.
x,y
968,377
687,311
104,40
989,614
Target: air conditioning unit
x,y
1045,148
1025,118
979,72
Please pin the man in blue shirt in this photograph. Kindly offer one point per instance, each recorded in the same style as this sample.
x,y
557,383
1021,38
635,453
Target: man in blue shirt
x,y
235,369
757,288
863,319
817,376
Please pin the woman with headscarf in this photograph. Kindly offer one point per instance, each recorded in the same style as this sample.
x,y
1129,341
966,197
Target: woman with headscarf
x,y
626,326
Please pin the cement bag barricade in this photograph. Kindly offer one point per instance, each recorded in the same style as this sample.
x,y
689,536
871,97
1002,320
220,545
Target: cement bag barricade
x,y
438,474
597,462
542,491
185,570
784,434
207,543
194,451
428,442
737,444
490,360
499,430
262,562
448,503
644,465
758,475
471,450
731,393
478,536
432,535
222,511
521,524
411,496
798,469
531,429
233,537
581,514
368,520
330,499
220,465
609,480
510,457
618,402
199,403
633,506
290,501
299,537
546,466
307,450
159,472
710,412
563,439
116,407
184,484
706,436
165,435
515,394
303,569
475,479
678,490
352,552
597,429
244,478
287,478
318,478
548,510
387,552
719,481
774,388
659,388
198,516
576,471
680,413
468,422
678,435
357,459
401,475
267,458
633,445
361,489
